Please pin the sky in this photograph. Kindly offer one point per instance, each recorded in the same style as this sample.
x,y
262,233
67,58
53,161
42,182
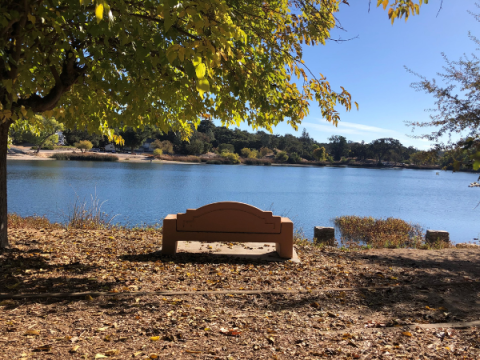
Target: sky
x,y
372,68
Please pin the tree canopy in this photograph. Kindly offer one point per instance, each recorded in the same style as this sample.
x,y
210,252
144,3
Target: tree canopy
x,y
115,63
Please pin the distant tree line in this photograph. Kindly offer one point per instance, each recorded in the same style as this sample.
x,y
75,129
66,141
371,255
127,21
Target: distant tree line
x,y
282,148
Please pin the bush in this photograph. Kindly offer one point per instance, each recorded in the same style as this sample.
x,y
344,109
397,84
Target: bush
x,y
84,157
231,158
294,158
320,154
281,156
83,145
157,152
264,151
379,233
226,148
166,146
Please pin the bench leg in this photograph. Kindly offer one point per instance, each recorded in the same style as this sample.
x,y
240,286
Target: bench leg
x,y
284,251
169,242
285,246
169,247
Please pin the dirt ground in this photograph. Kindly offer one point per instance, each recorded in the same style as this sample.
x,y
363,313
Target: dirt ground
x,y
374,304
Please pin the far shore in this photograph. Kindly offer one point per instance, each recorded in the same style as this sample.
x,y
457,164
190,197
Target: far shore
x,y
25,153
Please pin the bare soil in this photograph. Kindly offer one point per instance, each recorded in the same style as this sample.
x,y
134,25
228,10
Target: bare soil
x,y
315,320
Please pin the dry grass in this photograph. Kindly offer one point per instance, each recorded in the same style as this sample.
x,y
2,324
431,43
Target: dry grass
x,y
188,158
359,231
15,221
84,157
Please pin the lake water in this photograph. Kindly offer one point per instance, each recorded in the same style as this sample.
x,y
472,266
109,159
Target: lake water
x,y
311,196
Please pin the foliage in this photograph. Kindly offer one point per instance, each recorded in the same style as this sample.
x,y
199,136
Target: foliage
x,y
320,154
196,147
379,233
338,146
40,132
166,63
73,136
424,158
264,151
226,148
457,108
166,146
84,157
133,138
249,153
381,147
84,145
157,152
294,158
231,158
281,156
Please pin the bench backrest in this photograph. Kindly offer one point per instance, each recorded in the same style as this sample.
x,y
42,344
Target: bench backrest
x,y
229,217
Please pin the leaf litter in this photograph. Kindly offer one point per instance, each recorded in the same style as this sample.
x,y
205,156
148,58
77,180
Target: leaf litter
x,y
335,324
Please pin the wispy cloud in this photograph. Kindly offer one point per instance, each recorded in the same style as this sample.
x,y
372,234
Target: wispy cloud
x,y
348,128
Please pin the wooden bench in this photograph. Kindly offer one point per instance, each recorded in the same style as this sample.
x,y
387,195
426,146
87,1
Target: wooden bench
x,y
228,222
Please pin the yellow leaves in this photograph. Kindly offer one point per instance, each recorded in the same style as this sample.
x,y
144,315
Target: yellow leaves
x,y
111,352
32,332
385,4
407,333
99,12
155,338
74,349
100,356
203,86
200,70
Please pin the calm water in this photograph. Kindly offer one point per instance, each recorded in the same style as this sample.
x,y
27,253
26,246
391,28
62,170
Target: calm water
x,y
144,193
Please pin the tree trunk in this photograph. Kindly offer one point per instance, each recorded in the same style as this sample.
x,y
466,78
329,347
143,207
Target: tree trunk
x,y
3,185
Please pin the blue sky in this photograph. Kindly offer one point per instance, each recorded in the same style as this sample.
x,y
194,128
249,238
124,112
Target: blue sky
x,y
371,68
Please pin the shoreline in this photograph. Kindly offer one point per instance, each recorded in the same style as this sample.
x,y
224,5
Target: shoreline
x,y
17,153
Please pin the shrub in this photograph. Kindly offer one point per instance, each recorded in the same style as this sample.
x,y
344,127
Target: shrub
x,y
83,145
157,152
294,158
84,157
166,146
379,233
231,158
281,156
226,148
320,154
264,151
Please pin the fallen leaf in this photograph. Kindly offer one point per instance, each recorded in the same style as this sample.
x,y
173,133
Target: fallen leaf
x,y
193,351
99,356
153,356
407,333
111,352
155,338
32,332
43,348
74,349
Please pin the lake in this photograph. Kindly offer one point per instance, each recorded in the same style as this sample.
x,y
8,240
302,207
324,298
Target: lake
x,y
140,193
